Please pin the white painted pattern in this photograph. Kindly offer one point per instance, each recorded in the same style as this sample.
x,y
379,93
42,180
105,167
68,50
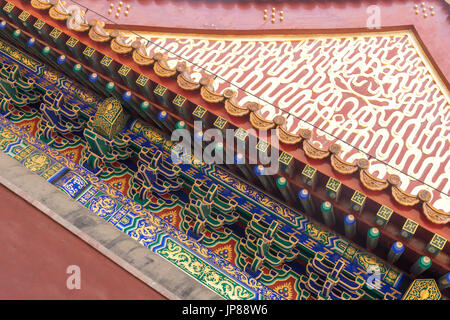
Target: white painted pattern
x,y
374,91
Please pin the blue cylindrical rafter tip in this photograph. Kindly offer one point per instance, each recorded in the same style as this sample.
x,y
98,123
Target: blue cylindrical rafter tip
x,y
259,170
93,77
61,59
349,219
398,247
162,116
303,194
126,95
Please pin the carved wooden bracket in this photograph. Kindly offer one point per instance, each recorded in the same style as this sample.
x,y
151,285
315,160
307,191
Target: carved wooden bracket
x,y
97,32
40,5
56,12
139,56
311,150
284,135
256,120
117,45
161,67
207,91
184,79
231,106
338,164
399,195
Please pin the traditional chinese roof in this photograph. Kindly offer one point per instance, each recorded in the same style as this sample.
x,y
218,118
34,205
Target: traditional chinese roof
x,y
374,94
368,108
